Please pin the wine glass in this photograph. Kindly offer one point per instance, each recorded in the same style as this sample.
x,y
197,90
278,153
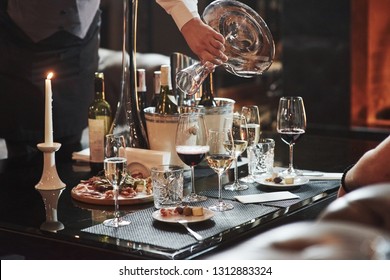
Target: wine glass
x,y
291,124
115,170
252,115
219,157
191,146
240,137
249,45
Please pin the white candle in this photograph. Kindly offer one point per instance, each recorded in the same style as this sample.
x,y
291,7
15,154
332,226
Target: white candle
x,y
48,111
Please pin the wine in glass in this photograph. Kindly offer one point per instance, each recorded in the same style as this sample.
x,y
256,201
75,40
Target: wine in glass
x,y
219,157
252,115
291,124
240,137
191,146
115,171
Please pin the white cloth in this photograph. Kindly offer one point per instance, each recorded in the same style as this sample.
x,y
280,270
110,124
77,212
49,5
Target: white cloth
x,y
181,11
41,18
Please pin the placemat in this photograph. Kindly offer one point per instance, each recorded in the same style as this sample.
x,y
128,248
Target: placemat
x,y
304,192
144,229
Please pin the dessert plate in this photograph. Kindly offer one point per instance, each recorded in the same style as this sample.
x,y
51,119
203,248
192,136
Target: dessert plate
x,y
298,181
173,219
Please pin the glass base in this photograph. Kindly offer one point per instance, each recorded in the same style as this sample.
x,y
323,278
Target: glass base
x,y
193,197
248,179
221,206
291,172
116,223
235,187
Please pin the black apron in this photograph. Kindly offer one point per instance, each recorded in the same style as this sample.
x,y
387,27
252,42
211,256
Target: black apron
x,y
23,68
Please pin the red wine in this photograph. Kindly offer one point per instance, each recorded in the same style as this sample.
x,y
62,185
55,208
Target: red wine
x,y
191,155
290,136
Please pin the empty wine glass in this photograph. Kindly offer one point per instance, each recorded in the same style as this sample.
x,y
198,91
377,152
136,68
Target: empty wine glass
x,y
115,171
291,124
249,45
219,157
191,146
240,137
252,115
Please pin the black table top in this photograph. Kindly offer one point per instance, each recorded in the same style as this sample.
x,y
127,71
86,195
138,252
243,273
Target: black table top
x,y
22,210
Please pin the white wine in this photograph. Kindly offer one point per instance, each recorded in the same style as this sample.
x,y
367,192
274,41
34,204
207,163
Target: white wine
x,y
115,169
99,122
253,133
219,163
167,102
239,146
157,88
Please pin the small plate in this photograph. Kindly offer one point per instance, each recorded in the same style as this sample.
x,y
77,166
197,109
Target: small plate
x,y
207,214
299,181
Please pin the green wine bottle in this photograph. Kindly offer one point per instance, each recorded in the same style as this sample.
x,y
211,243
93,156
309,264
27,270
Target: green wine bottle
x,y
99,122
167,103
207,97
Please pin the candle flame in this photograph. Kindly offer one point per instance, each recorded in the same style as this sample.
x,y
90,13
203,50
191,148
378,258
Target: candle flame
x,y
50,75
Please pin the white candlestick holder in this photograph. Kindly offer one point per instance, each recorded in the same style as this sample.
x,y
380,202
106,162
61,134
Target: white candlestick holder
x,y
50,186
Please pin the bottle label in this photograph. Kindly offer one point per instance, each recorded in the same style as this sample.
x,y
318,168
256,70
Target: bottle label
x,y
96,139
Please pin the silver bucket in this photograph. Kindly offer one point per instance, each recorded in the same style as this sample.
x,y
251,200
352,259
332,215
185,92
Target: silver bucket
x,y
162,128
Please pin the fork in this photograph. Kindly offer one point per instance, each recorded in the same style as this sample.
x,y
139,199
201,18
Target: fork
x,y
193,233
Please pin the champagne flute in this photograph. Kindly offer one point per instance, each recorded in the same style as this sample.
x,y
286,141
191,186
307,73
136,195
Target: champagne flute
x,y
252,115
219,157
291,124
191,146
240,138
115,170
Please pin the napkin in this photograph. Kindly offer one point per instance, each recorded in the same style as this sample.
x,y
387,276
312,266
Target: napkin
x,y
265,197
147,158
82,155
315,175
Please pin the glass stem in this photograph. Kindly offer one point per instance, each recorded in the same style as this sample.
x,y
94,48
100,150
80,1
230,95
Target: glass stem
x,y
220,201
116,209
235,171
291,163
193,179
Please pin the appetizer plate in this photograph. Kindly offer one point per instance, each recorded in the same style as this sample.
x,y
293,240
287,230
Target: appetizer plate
x,y
173,219
91,198
298,181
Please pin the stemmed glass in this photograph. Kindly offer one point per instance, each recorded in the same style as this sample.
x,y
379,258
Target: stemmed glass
x,y
219,157
240,137
191,146
249,45
115,171
252,115
291,124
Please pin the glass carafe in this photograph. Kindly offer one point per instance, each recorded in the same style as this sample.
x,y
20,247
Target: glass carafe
x,y
127,121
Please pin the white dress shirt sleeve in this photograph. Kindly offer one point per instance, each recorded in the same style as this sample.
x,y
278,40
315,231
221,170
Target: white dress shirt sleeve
x,y
181,10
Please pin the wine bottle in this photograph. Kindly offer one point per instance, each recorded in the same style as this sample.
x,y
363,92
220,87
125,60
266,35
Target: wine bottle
x,y
99,122
207,97
141,90
156,88
167,102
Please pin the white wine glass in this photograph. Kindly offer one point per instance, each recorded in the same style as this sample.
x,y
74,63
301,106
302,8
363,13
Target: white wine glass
x,y
252,115
191,146
239,129
291,125
249,45
115,171
220,157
